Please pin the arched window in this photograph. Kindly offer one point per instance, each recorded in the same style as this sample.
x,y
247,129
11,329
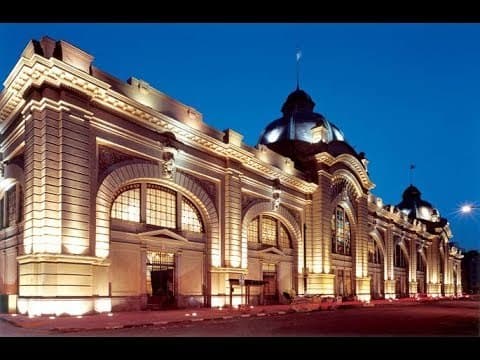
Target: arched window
x,y
159,206
399,257
341,232
374,254
269,231
127,204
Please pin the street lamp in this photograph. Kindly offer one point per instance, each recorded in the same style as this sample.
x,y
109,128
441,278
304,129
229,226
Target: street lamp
x,y
467,208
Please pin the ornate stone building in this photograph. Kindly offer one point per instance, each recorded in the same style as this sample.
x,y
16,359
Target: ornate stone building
x,y
116,196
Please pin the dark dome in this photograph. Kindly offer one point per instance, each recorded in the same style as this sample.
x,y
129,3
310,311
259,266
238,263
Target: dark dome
x,y
416,208
297,122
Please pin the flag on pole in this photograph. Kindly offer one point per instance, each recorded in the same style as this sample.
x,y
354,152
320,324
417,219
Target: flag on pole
x,y
299,54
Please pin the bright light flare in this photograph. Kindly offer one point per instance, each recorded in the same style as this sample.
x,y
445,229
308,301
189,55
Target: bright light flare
x,y
466,209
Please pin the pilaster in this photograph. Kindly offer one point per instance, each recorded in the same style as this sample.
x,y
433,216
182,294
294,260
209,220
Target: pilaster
x,y
362,280
235,253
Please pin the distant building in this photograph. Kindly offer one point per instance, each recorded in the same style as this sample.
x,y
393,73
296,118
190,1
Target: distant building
x,y
471,272
116,196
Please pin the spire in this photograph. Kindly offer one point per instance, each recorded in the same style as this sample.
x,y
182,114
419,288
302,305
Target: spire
x,y
299,55
412,167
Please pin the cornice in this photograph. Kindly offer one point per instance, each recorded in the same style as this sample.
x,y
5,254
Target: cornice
x,y
38,70
352,162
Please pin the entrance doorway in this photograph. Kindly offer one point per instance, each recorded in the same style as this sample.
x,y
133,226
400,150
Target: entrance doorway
x,y
343,282
401,286
160,279
270,292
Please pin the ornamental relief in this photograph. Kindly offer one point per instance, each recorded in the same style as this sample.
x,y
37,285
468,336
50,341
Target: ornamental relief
x,y
108,157
208,186
343,188
248,200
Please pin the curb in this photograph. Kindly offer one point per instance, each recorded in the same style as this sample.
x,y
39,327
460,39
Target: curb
x,y
150,323
11,322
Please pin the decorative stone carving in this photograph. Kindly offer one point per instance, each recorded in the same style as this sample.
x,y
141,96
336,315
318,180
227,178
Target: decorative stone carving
x,y
435,215
169,166
247,201
276,195
108,156
209,187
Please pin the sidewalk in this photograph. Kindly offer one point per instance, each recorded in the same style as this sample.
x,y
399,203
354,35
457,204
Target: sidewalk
x,y
119,320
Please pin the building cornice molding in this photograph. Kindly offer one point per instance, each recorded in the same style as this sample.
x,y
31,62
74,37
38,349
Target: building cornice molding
x,y
38,70
349,160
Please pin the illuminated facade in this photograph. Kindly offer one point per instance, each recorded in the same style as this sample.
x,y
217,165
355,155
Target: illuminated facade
x,y
116,196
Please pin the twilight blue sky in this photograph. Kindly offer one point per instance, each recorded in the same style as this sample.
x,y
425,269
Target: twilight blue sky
x,y
402,93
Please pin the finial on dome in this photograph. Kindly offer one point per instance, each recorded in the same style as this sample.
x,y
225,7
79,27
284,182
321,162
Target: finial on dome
x,y
299,55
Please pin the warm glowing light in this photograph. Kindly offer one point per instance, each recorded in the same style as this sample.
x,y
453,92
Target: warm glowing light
x,y
103,305
14,315
79,317
110,314
52,317
38,307
194,314
133,212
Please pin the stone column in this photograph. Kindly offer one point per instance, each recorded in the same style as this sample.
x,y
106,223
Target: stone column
x,y
232,220
42,227
306,251
362,280
389,276
433,285
57,274
458,266
320,278
412,268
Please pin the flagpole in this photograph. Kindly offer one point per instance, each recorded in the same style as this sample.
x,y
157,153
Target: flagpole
x,y
299,55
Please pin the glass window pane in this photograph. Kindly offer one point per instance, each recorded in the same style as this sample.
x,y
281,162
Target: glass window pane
x,y
190,217
341,233
12,206
269,231
253,231
284,240
266,267
161,206
127,205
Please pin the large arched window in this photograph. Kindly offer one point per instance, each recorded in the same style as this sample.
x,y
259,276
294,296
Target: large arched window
x,y
399,259
160,207
269,231
341,232
374,254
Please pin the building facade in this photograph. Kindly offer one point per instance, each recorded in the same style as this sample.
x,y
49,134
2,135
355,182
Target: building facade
x,y
116,196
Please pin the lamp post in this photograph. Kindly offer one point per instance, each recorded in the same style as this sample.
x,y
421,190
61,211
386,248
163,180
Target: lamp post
x,y
468,208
